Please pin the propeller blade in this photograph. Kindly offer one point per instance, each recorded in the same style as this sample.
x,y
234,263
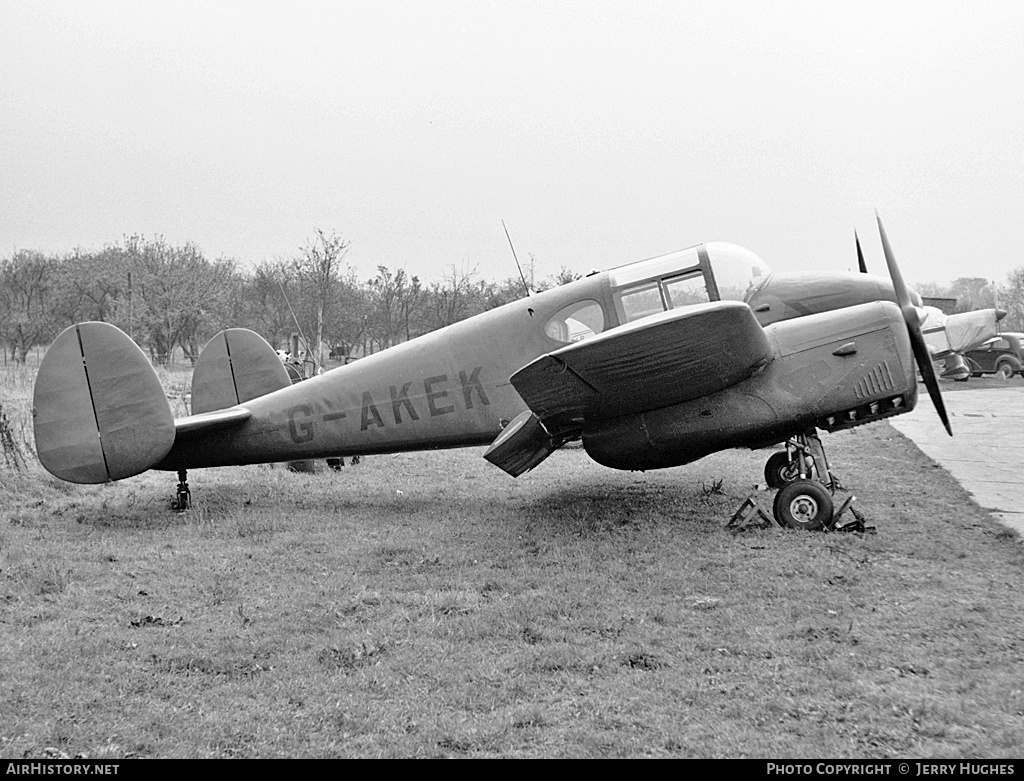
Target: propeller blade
x,y
860,254
913,320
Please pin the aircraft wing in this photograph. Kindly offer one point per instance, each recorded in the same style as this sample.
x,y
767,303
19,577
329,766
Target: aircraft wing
x,y
673,357
655,362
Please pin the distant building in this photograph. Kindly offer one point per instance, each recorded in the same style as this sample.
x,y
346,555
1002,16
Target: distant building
x,y
945,305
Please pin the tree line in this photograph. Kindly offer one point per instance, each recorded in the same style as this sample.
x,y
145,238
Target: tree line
x,y
973,293
168,296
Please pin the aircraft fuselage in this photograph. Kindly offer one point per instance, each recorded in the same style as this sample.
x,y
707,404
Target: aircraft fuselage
x,y
447,388
450,388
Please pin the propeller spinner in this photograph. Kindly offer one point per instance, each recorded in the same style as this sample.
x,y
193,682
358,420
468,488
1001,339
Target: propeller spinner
x,y
913,321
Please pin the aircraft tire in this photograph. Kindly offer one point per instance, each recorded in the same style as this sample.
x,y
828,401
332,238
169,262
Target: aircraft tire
x,y
780,470
803,504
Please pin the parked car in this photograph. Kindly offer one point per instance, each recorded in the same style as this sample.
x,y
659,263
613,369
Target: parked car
x,y
1003,356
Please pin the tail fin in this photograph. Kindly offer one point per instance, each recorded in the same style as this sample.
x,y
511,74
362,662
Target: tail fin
x,y
235,366
99,411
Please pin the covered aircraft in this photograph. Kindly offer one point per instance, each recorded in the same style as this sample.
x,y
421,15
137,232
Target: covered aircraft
x,y
948,337
652,364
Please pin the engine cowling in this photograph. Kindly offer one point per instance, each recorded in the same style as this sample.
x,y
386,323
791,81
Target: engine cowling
x,y
831,371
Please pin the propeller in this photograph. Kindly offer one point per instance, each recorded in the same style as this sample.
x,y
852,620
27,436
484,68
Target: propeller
x,y
860,254
913,320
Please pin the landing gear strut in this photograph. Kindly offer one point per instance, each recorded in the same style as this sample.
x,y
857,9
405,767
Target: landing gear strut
x,y
805,482
183,499
804,458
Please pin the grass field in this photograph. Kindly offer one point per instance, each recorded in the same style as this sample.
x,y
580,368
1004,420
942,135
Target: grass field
x,y
429,605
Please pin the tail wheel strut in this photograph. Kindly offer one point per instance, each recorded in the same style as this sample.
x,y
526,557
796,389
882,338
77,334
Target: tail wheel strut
x,y
183,498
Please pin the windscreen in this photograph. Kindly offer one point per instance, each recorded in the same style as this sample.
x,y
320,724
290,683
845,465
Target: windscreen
x,y
738,271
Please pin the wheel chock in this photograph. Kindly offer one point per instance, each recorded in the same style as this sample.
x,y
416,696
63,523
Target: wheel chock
x,y
854,524
842,509
749,516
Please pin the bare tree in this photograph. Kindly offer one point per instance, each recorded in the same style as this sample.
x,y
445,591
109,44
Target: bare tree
x,y
319,266
566,275
972,293
395,298
91,284
452,299
175,296
266,294
1011,298
26,317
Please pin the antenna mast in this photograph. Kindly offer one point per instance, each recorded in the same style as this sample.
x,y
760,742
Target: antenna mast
x,y
305,341
521,276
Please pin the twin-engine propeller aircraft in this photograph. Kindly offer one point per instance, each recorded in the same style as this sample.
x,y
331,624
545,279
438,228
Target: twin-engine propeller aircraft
x,y
653,364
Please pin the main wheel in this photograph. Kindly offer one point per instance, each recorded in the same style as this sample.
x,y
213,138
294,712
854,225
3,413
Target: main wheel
x,y
1005,370
780,470
803,504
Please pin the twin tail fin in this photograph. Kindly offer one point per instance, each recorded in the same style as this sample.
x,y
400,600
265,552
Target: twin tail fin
x,y
100,413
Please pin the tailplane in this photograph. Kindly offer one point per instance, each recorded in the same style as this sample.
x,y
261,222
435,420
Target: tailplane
x,y
99,411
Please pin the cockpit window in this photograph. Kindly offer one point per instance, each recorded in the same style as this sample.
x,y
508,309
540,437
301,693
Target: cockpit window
x,y
686,289
680,282
641,301
708,272
576,322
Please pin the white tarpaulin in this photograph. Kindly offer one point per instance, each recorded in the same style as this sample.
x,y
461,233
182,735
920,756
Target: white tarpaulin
x,y
957,333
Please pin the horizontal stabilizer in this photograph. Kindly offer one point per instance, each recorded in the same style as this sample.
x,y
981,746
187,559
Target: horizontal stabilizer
x,y
235,366
99,411
211,421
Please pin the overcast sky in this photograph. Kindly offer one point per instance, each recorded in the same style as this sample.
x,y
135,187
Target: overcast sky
x,y
601,132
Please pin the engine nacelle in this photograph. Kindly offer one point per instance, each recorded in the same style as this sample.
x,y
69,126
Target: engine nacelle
x,y
832,371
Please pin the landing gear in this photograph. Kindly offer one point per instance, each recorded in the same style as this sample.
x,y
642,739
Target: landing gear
x,y
805,482
183,499
804,457
781,468
803,504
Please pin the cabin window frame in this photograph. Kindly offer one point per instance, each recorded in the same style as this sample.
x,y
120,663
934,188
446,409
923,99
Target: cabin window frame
x,y
702,269
558,322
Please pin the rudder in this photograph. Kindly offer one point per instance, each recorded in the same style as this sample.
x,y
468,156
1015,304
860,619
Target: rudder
x,y
99,411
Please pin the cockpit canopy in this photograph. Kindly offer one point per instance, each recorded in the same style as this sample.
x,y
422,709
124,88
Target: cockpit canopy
x,y
707,272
